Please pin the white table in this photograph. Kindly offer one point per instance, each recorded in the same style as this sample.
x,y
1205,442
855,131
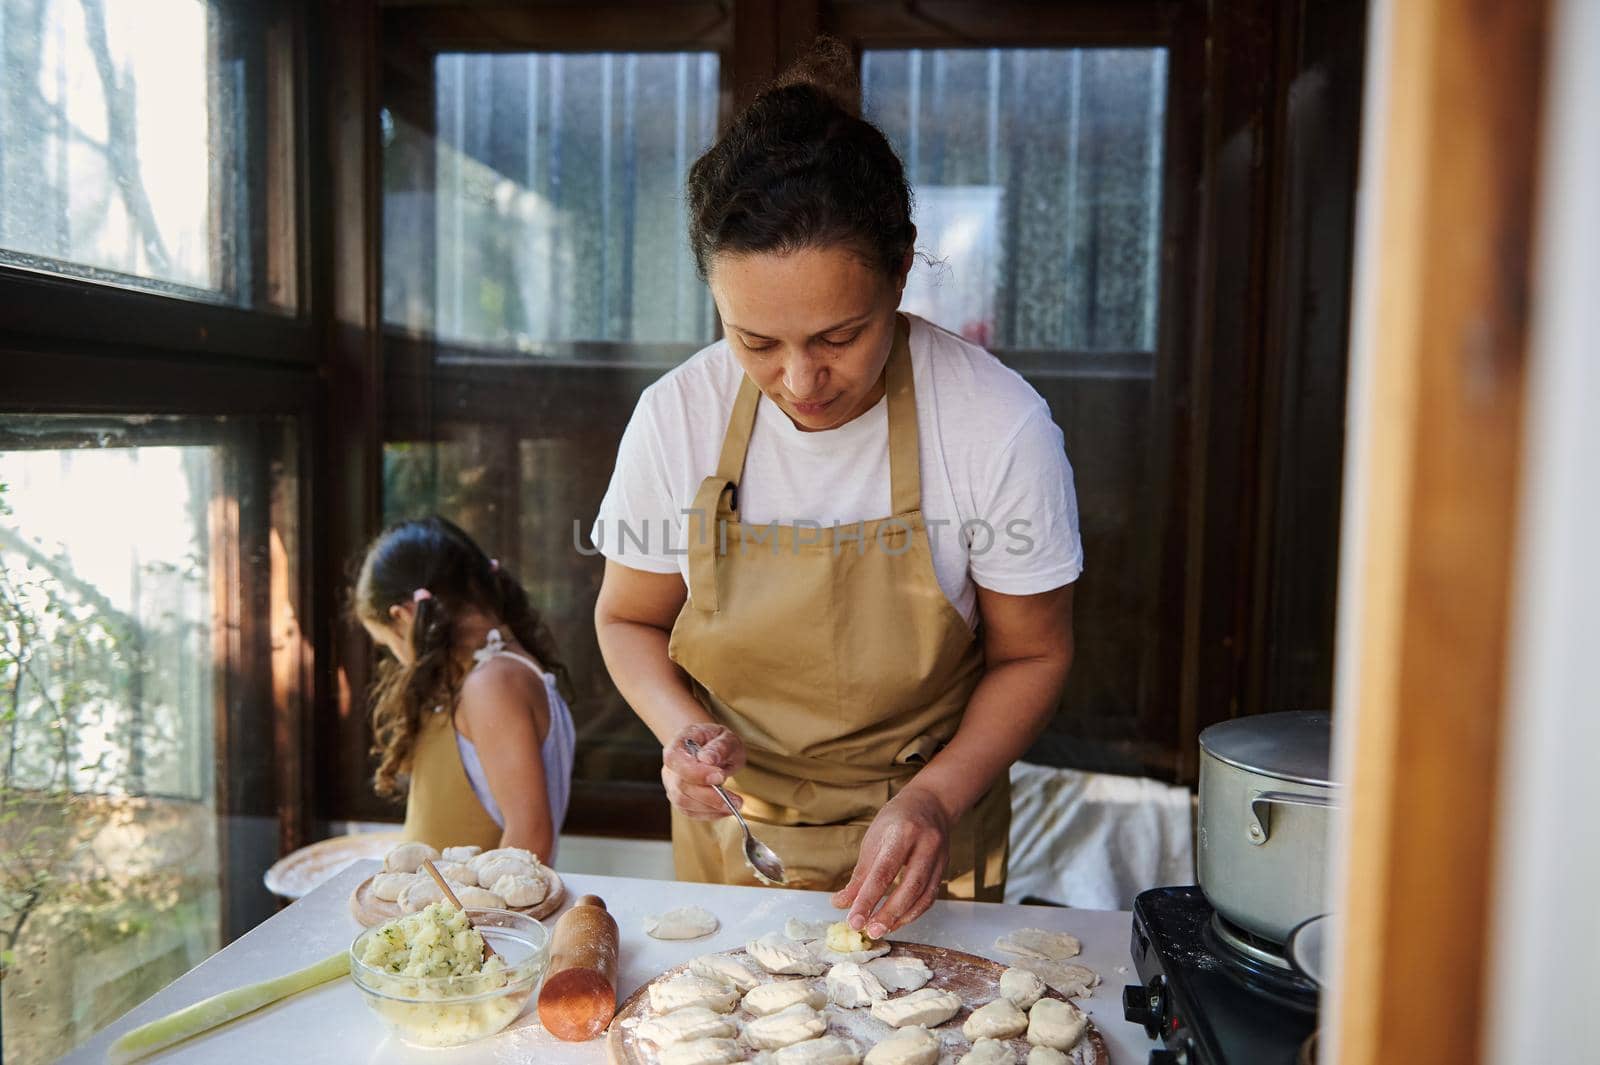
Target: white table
x,y
332,1024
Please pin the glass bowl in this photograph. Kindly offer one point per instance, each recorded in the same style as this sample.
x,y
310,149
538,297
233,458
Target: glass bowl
x,y
444,1011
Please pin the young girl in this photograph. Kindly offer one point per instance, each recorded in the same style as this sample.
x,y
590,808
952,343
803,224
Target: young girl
x,y
470,717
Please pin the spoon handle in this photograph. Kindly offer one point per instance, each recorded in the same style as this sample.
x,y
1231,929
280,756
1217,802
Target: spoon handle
x,y
444,887
694,748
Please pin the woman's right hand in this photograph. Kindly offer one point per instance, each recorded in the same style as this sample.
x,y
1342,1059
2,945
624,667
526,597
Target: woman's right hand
x,y
689,777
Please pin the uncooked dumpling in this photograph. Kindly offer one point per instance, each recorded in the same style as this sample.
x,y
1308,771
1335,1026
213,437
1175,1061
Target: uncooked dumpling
x,y
422,892
702,1052
387,886
477,860
490,870
1067,977
999,1019
1039,943
478,898
520,890
781,955
1053,1023
796,1024
730,971
927,1008
460,854
781,994
686,922
1022,986
845,944
805,931
850,985
989,1052
828,1050
687,990
456,873
902,973
1047,1056
695,1022
408,857
910,1046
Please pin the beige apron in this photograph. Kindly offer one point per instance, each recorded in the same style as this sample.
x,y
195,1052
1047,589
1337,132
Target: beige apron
x,y
837,658
441,808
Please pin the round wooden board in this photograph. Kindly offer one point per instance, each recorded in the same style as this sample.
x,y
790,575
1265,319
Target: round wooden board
x,y
975,979
372,911
296,873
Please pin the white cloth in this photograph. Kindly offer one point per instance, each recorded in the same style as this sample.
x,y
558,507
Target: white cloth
x,y
557,751
1095,840
990,454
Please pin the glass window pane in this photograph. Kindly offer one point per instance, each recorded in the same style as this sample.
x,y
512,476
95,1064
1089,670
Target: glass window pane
x,y
124,144
547,207
126,860
525,492
1037,177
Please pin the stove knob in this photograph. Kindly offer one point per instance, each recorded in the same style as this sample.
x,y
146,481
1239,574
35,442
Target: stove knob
x,y
1146,1005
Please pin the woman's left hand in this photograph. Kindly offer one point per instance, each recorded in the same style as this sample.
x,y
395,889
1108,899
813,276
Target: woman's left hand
x,y
910,838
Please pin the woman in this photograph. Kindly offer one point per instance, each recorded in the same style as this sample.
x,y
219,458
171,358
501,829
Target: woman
x,y
849,495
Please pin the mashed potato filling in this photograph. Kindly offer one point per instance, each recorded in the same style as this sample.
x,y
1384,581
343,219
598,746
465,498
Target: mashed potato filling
x,y
846,940
437,956
435,941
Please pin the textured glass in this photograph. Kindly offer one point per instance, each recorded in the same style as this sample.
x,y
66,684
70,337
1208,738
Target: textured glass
x,y
120,145
555,212
1037,177
116,557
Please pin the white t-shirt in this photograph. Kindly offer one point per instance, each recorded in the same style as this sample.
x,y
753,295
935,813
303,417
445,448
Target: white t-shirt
x,y
997,493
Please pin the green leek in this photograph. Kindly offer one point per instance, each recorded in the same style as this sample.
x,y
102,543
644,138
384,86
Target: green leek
x,y
221,1008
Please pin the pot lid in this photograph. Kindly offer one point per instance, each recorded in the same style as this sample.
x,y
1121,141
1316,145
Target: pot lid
x,y
1292,745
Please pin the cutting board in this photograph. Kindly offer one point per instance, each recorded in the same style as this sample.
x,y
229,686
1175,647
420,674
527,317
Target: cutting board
x,y
975,979
372,911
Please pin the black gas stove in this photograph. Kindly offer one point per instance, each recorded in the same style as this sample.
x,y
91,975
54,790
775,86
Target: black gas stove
x,y
1212,993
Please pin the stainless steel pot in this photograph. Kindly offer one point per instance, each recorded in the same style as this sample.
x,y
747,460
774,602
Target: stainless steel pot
x,y
1266,807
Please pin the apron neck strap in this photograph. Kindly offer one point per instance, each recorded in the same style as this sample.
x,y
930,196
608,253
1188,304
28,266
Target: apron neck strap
x,y
905,475
741,423
905,472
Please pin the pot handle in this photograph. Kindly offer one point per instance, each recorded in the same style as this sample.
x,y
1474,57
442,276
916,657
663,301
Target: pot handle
x,y
1261,806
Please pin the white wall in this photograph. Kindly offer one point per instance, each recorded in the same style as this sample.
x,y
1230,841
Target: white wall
x,y
1544,985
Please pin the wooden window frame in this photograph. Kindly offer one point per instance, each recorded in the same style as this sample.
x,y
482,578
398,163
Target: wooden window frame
x,y
77,346
755,39
1226,311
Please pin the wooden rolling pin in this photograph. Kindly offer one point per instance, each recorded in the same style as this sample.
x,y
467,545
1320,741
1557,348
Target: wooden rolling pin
x,y
579,995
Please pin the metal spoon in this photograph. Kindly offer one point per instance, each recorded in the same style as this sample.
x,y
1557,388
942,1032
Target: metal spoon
x,y
757,855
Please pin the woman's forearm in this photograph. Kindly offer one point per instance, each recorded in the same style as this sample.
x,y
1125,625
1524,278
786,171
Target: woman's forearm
x,y
636,656
1011,705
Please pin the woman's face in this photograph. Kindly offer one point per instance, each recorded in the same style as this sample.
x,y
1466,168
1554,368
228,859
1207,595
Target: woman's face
x,y
396,636
812,328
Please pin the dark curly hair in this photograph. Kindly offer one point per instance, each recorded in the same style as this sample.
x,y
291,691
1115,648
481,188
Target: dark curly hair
x,y
800,168
435,554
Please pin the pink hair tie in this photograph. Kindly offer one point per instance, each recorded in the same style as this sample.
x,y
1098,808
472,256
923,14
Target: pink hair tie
x,y
420,594
494,565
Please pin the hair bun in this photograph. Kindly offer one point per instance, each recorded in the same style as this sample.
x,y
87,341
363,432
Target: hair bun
x,y
828,66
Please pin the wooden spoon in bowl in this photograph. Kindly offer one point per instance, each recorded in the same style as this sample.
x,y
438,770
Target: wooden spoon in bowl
x,y
444,886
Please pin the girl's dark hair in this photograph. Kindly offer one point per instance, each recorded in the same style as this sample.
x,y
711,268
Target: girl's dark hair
x,y
801,169
435,554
